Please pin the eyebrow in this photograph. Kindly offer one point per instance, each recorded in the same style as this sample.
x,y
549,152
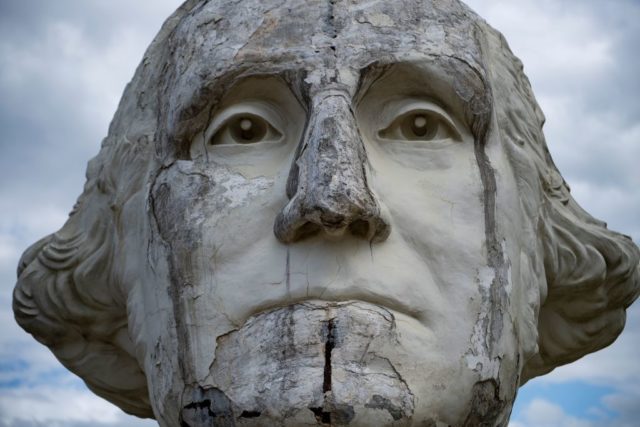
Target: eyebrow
x,y
468,84
186,117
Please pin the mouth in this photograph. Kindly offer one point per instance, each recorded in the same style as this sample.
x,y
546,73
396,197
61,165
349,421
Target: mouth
x,y
386,303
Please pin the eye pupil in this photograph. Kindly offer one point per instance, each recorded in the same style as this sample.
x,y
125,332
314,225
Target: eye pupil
x,y
419,125
246,126
248,129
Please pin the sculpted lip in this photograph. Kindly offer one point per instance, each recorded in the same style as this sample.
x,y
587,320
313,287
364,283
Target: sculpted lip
x,y
392,305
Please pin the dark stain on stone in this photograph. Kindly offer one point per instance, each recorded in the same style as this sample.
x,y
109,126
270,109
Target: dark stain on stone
x,y
179,243
208,407
342,414
495,257
335,415
379,402
321,416
250,414
331,29
486,405
338,415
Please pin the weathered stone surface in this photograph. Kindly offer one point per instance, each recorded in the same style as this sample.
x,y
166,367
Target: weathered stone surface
x,y
314,361
325,213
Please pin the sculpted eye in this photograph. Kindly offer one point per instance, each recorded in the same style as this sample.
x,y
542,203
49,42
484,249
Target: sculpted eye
x,y
245,123
420,124
244,128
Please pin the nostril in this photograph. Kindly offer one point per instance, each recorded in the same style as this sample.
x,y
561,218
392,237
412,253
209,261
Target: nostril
x,y
360,228
330,219
300,220
308,229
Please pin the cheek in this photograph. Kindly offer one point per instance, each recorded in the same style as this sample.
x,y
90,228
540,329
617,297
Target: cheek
x,y
428,189
212,210
437,211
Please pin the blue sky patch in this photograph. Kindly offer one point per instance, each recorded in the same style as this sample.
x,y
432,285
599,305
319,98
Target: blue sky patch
x,y
576,398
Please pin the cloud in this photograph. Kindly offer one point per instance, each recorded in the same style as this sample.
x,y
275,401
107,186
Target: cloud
x,y
63,67
550,30
61,407
55,404
614,410
542,413
626,404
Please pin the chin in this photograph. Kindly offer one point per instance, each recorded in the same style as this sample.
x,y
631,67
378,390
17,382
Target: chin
x,y
331,363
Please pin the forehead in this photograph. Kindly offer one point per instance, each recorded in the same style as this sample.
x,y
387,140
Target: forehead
x,y
324,40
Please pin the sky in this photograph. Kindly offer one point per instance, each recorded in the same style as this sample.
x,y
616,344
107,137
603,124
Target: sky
x,y
64,65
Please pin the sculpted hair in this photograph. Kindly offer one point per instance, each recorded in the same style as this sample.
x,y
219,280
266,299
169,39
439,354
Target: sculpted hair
x,y
587,275
69,297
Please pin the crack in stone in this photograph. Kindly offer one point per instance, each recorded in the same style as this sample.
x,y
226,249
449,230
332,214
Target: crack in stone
x,y
288,273
329,346
331,22
250,414
322,415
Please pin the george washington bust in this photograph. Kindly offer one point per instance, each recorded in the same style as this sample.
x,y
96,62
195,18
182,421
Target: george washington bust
x,y
325,213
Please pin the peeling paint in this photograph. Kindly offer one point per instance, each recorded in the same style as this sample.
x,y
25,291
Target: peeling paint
x,y
239,189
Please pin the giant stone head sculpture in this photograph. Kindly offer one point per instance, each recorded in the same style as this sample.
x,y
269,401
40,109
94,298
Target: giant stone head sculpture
x,y
325,212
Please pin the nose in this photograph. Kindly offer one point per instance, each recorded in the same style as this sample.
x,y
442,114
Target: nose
x,y
327,185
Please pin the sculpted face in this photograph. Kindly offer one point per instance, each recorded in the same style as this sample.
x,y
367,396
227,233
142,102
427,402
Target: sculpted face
x,y
334,200
333,215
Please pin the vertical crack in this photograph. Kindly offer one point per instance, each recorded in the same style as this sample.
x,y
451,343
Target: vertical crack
x,y
331,20
322,414
288,273
332,31
328,348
